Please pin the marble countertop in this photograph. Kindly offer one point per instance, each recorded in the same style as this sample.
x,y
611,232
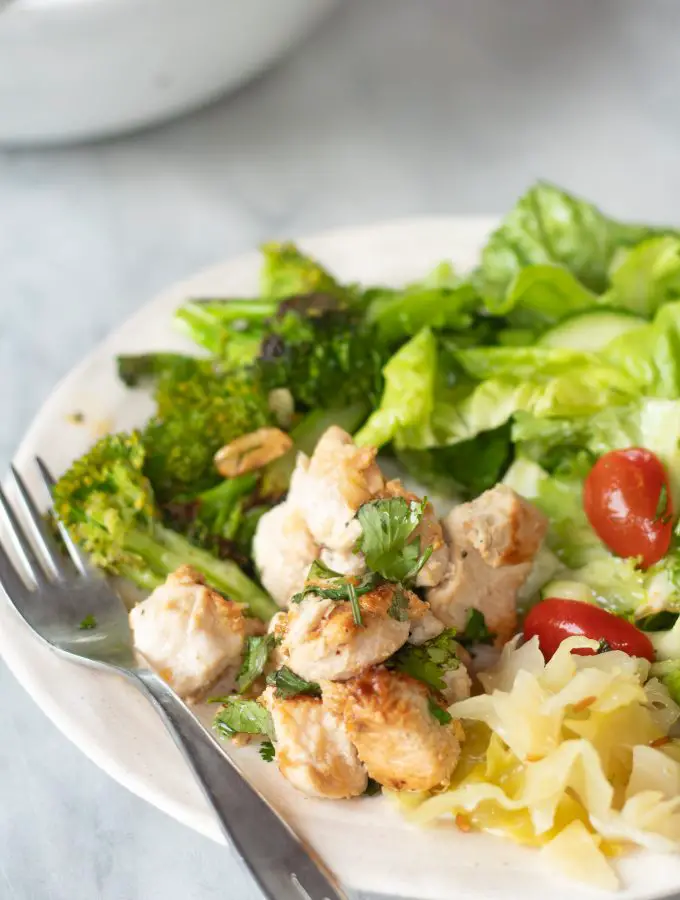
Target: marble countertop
x,y
392,108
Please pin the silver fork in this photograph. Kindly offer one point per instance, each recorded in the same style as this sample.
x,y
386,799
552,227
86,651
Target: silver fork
x,y
55,598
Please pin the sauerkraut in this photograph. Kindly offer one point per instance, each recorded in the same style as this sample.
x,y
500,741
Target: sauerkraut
x,y
573,755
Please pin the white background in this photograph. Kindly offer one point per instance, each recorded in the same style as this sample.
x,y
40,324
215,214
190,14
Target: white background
x,y
392,108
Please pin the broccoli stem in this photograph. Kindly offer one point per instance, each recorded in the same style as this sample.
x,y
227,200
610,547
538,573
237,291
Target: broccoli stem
x,y
210,323
164,551
133,370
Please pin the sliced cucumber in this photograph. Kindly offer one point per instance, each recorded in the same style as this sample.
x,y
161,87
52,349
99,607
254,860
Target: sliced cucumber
x,y
568,590
589,331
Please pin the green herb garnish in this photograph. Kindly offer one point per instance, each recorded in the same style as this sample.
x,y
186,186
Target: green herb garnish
x,y
255,659
438,712
661,505
288,684
429,661
88,623
267,751
241,716
386,539
476,630
399,605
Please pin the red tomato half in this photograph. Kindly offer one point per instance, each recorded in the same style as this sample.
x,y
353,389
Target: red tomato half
x,y
627,500
555,619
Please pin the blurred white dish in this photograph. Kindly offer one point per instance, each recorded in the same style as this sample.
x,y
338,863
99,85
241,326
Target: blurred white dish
x,y
365,841
77,69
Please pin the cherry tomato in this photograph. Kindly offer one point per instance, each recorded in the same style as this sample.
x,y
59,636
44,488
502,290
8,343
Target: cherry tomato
x,y
627,500
555,619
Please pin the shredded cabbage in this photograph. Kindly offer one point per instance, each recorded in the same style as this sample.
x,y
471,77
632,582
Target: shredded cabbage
x,y
572,755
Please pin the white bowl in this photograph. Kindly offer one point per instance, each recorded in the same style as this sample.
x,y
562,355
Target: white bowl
x,y
77,69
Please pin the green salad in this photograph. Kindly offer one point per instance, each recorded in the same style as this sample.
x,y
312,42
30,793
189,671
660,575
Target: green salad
x,y
561,345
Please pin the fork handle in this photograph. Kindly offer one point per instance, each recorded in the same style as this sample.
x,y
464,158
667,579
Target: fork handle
x,y
276,858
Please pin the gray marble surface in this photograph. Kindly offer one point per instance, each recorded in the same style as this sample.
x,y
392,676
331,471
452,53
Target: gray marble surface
x,y
392,108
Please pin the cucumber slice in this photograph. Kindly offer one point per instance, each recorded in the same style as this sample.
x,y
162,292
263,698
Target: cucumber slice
x,y
589,331
568,590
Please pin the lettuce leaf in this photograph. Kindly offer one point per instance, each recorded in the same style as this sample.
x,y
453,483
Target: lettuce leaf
x,y
550,226
441,300
405,410
645,277
650,355
541,296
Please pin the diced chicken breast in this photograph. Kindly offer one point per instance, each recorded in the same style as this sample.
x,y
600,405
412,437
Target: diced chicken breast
x,y
187,632
425,628
323,642
329,488
458,684
429,533
344,562
283,550
313,749
493,540
388,718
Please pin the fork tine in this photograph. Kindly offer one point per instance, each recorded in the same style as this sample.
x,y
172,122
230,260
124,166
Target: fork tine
x,y
21,542
38,529
79,559
10,581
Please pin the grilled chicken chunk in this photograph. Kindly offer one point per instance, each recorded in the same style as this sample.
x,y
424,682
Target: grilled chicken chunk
x,y
313,749
493,541
187,632
283,550
329,488
389,720
323,642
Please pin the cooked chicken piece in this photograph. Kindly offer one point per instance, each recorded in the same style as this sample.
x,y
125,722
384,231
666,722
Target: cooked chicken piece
x,y
344,562
323,642
283,550
313,749
388,718
329,488
425,628
187,632
429,533
458,684
493,541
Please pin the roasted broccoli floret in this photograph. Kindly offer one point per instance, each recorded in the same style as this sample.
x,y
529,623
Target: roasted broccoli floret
x,y
201,406
147,367
109,508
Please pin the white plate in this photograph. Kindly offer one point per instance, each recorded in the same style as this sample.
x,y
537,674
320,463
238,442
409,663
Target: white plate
x,y
364,841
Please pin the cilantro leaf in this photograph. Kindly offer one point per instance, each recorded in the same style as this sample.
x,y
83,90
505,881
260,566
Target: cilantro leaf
x,y
386,538
267,751
438,712
399,605
88,623
241,716
288,684
255,659
476,630
429,661
319,571
373,787
340,588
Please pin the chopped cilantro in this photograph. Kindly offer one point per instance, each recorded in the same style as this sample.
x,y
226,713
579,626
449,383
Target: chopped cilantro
x,y
267,751
476,631
372,788
603,646
288,684
429,661
438,712
255,659
319,571
399,605
88,623
241,716
386,538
